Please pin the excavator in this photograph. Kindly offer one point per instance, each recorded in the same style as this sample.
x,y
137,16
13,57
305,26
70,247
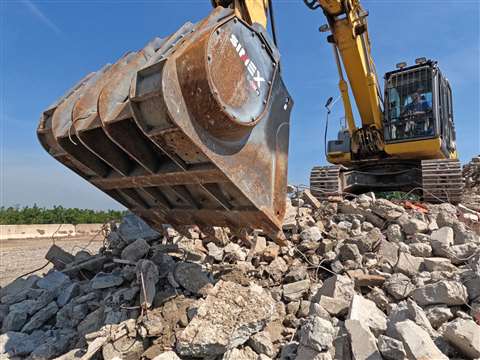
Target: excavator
x,y
193,129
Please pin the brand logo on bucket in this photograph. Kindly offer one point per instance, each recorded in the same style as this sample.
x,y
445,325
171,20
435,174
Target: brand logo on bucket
x,y
256,78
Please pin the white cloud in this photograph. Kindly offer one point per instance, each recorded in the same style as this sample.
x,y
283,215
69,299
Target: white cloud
x,y
41,16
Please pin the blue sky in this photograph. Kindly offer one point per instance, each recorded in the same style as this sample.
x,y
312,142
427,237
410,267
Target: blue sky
x,y
47,46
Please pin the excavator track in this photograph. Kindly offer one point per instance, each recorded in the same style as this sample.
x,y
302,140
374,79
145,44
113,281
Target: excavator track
x,y
442,181
191,130
325,181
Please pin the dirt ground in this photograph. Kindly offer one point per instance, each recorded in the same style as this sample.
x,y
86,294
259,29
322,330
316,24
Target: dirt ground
x,y
18,257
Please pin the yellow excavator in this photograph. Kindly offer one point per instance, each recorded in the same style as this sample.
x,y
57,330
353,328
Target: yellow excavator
x,y
406,140
193,129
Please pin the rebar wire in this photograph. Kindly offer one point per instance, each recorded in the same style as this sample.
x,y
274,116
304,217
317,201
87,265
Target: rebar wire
x,y
31,272
53,235
103,228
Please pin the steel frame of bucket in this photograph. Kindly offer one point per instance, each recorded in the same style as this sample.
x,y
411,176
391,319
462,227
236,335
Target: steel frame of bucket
x,y
163,136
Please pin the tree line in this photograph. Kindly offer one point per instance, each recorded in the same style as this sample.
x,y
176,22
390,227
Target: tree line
x,y
56,215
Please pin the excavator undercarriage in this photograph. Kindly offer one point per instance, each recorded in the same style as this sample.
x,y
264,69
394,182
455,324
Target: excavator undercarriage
x,y
192,129
435,180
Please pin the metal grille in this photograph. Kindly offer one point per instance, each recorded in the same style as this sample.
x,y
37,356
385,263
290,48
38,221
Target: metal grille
x,y
409,105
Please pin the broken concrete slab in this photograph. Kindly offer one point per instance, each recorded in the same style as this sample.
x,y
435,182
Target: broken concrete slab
x,y
222,322
169,355
136,250
409,310
438,264
337,287
192,277
261,343
387,210
399,286
465,336
368,314
40,317
14,321
442,240
147,277
296,290
363,343
441,292
59,257
53,281
334,306
317,333
438,314
417,342
413,226
408,264
106,280
391,349
68,293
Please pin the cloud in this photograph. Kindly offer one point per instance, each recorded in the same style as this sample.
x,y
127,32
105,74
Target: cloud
x,y
41,16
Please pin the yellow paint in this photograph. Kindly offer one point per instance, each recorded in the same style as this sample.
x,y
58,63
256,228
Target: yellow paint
x,y
331,6
356,58
337,157
343,86
419,149
253,11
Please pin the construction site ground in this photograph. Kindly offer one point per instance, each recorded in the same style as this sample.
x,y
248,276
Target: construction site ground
x,y
19,256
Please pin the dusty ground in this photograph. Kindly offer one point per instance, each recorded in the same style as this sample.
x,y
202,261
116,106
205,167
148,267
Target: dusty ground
x,y
18,257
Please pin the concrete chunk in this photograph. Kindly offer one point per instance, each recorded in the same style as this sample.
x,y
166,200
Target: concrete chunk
x,y
317,333
169,355
14,321
230,314
41,317
441,240
295,290
465,336
147,274
391,349
136,250
441,292
399,286
418,344
368,314
262,344
338,287
106,280
438,264
408,264
413,225
363,343
53,281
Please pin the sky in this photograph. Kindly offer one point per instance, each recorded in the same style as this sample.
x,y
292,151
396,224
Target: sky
x,y
47,46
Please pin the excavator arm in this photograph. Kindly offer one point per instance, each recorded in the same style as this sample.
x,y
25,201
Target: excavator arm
x,y
251,11
347,21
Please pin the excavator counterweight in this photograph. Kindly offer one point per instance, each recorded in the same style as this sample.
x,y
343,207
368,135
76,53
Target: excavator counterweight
x,y
191,130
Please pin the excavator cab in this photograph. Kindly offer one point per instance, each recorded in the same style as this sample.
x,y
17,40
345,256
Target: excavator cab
x,y
418,106
419,150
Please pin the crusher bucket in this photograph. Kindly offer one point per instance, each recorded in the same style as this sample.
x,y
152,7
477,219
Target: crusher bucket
x,y
191,130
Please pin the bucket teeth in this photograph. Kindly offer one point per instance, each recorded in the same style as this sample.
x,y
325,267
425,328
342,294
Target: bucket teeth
x,y
190,130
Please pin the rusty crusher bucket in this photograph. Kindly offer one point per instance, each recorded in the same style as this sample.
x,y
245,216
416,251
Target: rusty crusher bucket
x,y
192,129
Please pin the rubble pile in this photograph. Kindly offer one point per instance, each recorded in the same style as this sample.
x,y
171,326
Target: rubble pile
x,y
471,174
364,278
